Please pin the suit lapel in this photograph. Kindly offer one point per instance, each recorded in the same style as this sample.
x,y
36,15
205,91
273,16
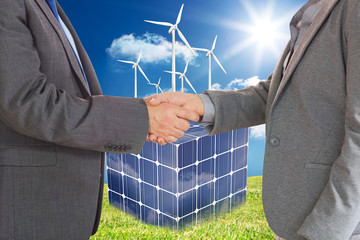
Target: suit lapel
x,y
276,77
71,56
303,44
85,60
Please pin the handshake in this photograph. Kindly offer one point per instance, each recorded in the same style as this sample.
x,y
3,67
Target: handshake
x,y
169,113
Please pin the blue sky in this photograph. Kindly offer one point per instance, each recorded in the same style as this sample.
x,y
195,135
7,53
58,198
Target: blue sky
x,y
251,37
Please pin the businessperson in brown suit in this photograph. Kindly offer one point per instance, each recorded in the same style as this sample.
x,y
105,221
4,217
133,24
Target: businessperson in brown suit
x,y
55,125
311,107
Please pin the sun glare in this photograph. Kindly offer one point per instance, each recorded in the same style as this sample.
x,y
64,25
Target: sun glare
x,y
263,32
260,30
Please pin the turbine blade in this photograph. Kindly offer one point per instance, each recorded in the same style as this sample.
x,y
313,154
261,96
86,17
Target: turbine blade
x,y
130,62
159,81
142,72
161,89
152,84
160,23
179,15
138,60
177,73
218,62
201,49
187,80
185,41
186,67
213,46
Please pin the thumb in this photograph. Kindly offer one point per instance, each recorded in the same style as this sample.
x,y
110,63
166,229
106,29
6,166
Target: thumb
x,y
160,98
187,114
154,100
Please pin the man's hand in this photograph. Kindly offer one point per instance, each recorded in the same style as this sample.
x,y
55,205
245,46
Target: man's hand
x,y
167,121
191,102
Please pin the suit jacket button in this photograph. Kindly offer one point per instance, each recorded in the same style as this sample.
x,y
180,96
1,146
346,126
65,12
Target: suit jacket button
x,y
275,142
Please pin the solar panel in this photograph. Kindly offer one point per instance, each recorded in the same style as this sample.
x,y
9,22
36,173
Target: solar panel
x,y
181,183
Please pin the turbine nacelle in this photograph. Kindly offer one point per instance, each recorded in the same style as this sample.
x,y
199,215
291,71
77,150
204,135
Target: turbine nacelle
x,y
183,76
174,27
157,86
210,53
136,66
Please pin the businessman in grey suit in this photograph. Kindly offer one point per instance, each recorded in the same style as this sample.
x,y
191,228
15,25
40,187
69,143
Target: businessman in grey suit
x,y
55,125
311,107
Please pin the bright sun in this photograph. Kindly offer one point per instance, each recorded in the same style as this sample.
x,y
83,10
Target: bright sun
x,y
263,33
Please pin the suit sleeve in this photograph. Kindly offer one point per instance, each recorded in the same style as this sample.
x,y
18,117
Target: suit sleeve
x,y
32,106
239,109
337,211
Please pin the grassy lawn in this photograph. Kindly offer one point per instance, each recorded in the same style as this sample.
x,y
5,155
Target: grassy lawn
x,y
245,222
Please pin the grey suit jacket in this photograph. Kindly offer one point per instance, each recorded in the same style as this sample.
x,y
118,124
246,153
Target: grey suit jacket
x,y
311,175
52,132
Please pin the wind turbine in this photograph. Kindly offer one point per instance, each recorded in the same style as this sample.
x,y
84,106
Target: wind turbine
x,y
135,67
156,86
182,76
209,54
172,30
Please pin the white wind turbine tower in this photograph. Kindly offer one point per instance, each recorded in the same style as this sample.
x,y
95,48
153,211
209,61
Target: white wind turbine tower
x,y
172,30
157,86
209,54
135,67
182,76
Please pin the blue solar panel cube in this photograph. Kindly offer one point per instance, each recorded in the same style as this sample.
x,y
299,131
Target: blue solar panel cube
x,y
181,183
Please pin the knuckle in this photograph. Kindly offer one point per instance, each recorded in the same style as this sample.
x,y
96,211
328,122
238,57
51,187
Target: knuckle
x,y
186,125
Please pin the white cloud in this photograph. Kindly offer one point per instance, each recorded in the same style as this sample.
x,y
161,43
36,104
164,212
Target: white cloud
x,y
216,86
155,48
243,83
238,84
257,132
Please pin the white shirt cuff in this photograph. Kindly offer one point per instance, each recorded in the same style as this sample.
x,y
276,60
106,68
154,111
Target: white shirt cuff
x,y
209,109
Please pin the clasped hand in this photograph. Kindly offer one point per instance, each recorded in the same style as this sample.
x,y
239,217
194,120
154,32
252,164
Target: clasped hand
x,y
169,114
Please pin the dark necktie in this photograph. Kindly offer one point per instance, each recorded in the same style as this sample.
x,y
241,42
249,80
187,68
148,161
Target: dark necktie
x,y
53,8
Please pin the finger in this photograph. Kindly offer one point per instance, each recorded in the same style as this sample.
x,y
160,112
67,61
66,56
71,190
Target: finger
x,y
148,138
171,133
159,98
153,137
170,139
147,99
187,114
161,141
181,124
169,97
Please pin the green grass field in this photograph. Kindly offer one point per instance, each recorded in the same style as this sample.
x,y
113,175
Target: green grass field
x,y
245,222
